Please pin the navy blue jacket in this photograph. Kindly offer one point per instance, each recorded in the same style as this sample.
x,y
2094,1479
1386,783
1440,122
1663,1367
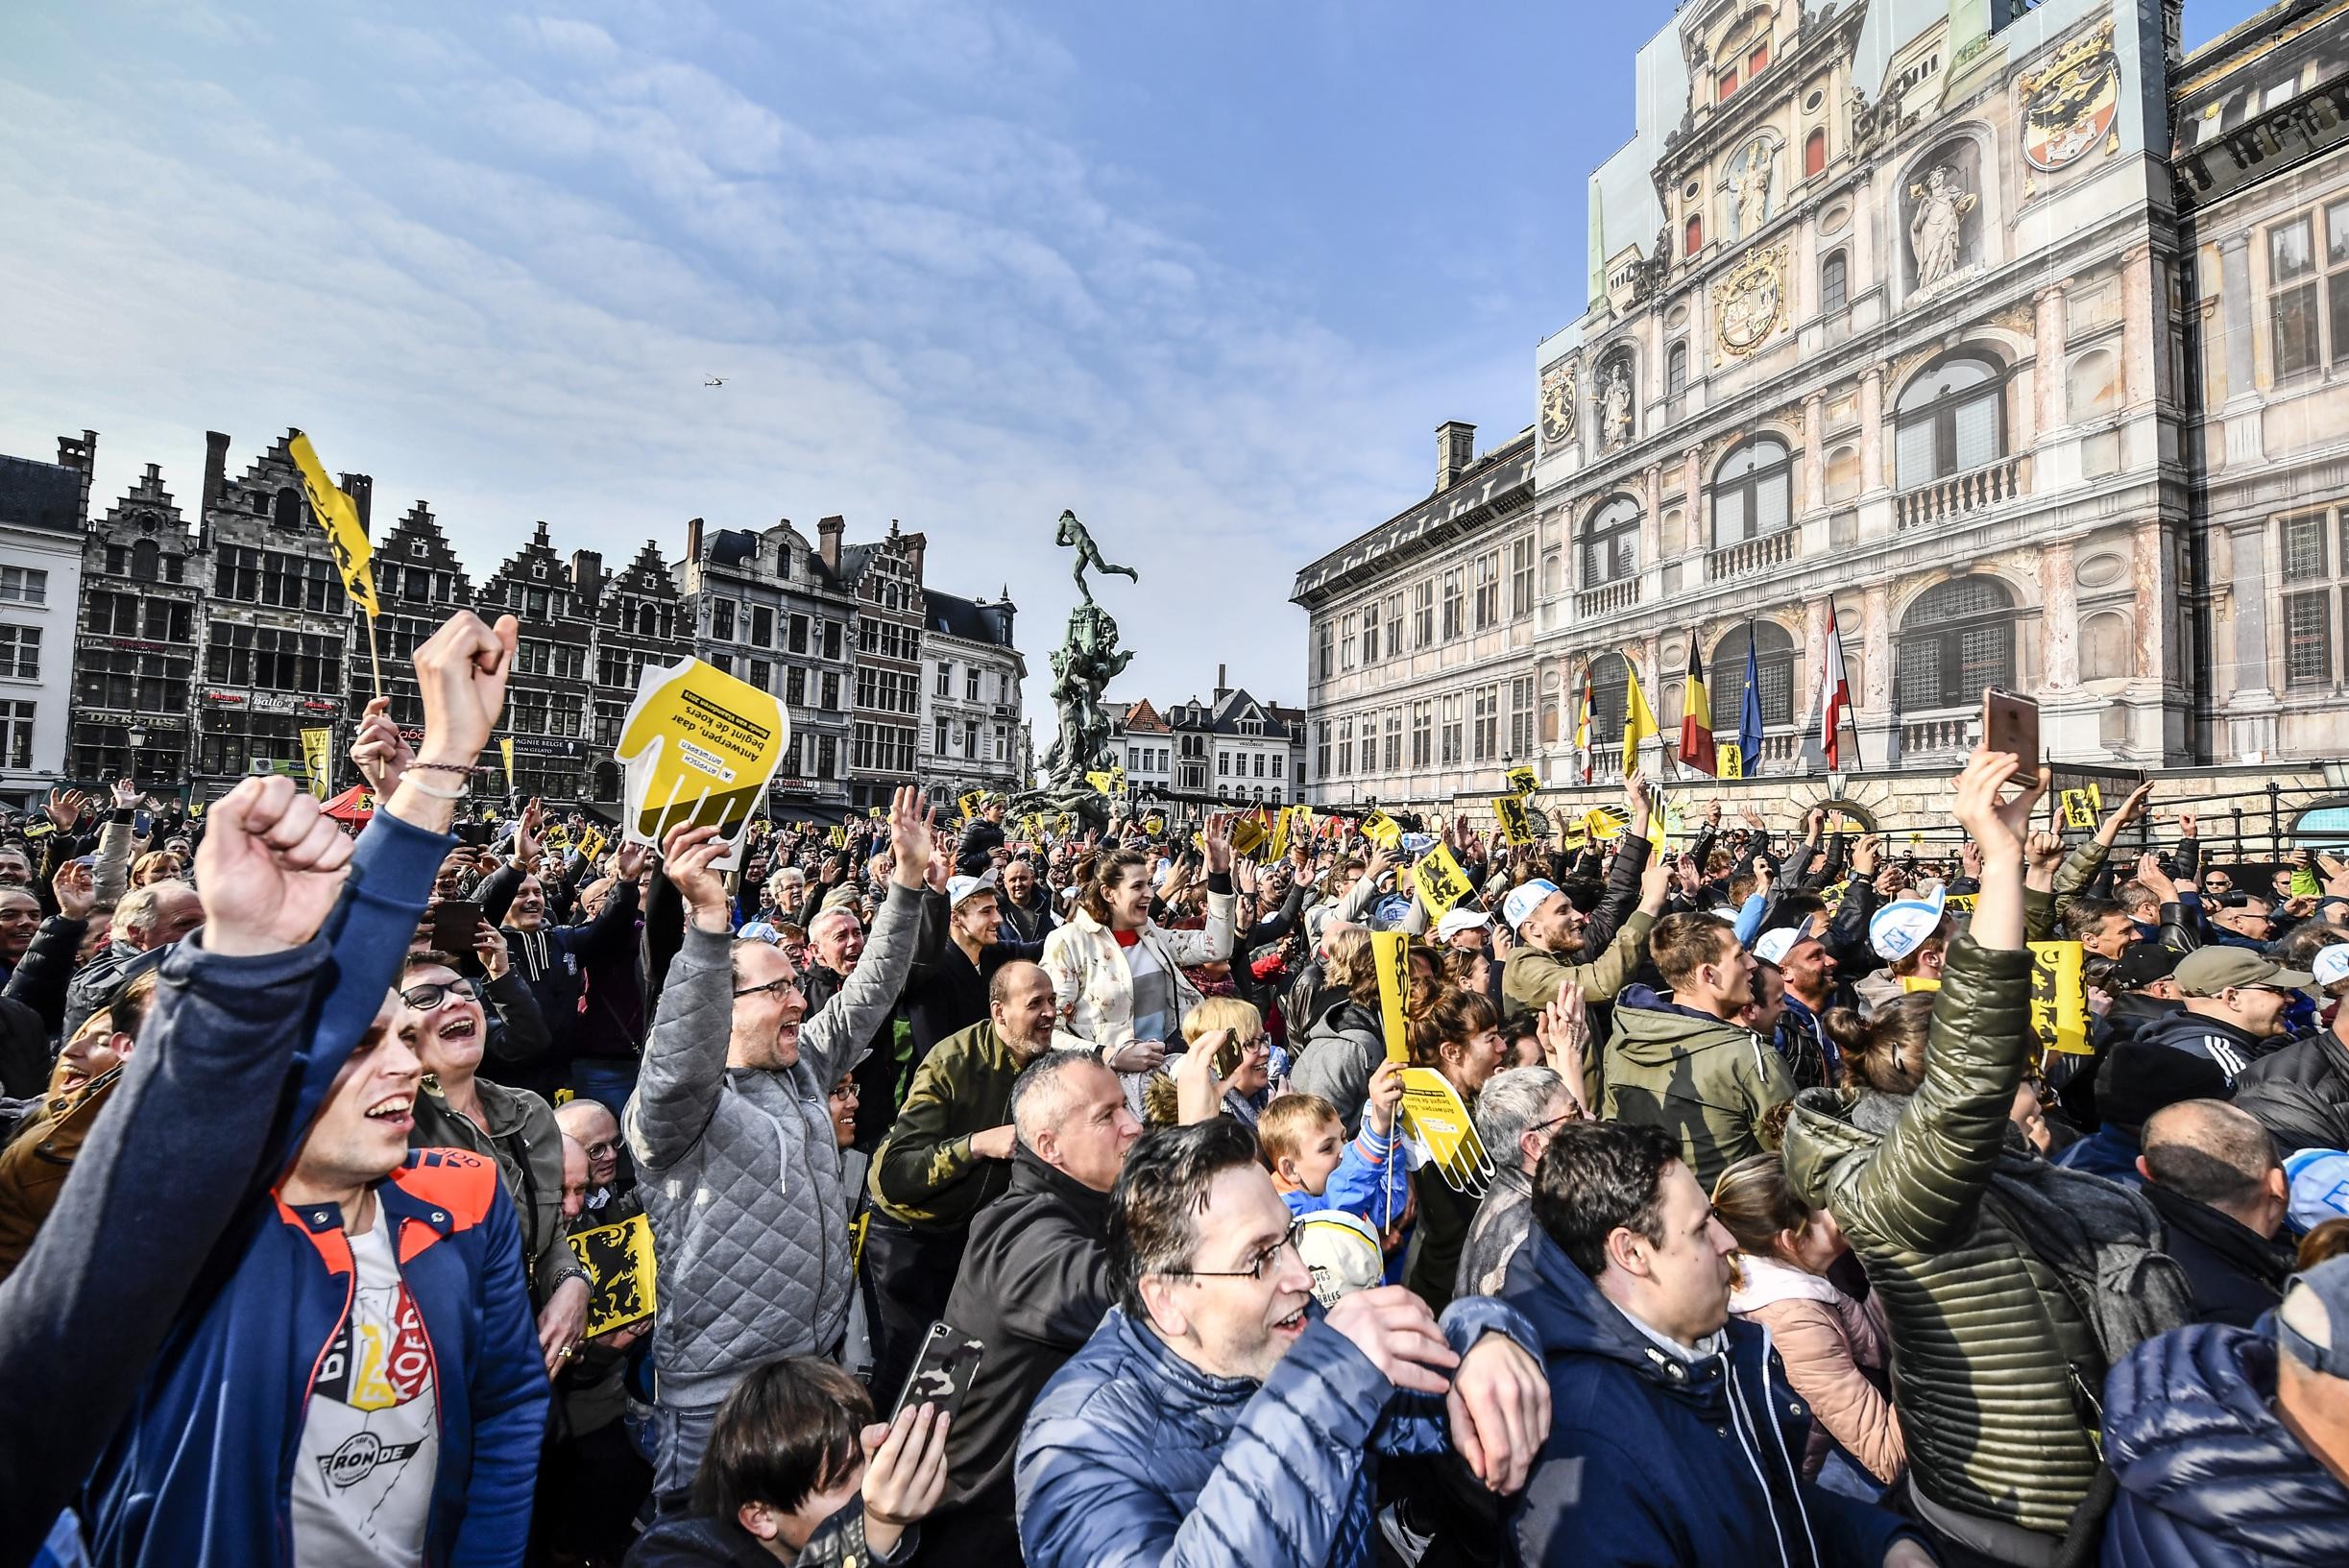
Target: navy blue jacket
x,y
2209,1477
233,1061
1132,1456
1653,1460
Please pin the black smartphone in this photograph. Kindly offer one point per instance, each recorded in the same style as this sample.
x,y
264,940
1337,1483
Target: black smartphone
x,y
2011,724
943,1372
453,924
1227,1056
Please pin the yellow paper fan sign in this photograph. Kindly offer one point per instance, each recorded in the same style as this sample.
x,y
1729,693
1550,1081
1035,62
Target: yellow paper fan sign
x,y
699,747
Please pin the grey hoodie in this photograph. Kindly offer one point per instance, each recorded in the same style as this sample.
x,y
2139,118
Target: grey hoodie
x,y
740,1172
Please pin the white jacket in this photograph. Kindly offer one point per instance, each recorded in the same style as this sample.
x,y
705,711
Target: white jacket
x,y
1094,986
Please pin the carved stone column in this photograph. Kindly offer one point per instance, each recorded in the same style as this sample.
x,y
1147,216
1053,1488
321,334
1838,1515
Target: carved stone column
x,y
2137,345
2235,310
2059,619
1650,515
2155,600
1871,431
2053,408
1814,467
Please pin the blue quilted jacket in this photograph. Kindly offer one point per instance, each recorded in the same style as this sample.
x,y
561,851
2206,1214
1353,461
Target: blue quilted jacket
x,y
2209,1477
1132,1456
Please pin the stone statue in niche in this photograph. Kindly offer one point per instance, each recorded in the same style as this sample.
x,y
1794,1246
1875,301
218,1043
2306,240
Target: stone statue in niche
x,y
1614,405
1750,184
1936,218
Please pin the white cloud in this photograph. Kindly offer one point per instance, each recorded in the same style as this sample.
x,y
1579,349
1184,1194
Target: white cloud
x,y
497,275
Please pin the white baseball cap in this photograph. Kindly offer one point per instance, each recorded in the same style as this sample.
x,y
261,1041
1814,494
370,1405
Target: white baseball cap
x,y
2320,1179
1772,946
2331,965
1523,899
958,888
1900,927
1343,1253
1469,920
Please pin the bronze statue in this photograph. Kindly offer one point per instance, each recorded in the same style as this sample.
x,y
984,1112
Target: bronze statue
x,y
1088,553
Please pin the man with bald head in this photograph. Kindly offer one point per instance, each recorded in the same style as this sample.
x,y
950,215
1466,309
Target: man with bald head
x,y
945,1158
1033,1286
146,921
2211,1171
591,1125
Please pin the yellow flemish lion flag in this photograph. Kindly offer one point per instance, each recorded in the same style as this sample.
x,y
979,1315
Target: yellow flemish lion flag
x,y
1638,719
1380,830
1515,825
1523,782
620,1274
353,557
318,759
1440,882
2059,998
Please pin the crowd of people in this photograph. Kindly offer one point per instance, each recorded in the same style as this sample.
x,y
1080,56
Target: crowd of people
x,y
1015,1195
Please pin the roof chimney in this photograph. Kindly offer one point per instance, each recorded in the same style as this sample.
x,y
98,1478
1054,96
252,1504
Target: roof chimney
x,y
587,573
692,539
215,468
1221,687
361,489
1455,451
83,456
828,532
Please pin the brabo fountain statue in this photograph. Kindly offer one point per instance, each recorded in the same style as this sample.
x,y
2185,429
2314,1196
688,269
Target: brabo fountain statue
x,y
1082,668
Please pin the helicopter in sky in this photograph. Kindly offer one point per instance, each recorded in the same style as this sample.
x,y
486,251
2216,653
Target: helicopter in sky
x,y
714,381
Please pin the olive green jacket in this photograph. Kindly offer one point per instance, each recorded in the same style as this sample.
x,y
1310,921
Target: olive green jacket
x,y
1991,1360
1530,977
1704,1080
924,1174
527,1147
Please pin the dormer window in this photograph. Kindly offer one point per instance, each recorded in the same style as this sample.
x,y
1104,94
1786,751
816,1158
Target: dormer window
x,y
416,547
539,571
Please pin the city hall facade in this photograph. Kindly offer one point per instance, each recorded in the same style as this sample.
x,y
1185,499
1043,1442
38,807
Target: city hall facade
x,y
2004,336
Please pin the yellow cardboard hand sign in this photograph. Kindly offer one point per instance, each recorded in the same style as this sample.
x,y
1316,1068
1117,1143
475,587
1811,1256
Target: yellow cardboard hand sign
x,y
699,747
1438,1125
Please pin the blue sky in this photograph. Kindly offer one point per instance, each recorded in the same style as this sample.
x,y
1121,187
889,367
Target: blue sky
x,y
1208,273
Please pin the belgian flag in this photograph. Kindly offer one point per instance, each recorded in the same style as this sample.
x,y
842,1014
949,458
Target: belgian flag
x,y
1697,720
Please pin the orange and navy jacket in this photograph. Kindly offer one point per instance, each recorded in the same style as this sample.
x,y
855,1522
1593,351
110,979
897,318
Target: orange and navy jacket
x,y
203,1470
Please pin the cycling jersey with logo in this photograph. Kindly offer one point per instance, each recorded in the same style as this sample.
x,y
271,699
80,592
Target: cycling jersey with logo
x,y
371,1437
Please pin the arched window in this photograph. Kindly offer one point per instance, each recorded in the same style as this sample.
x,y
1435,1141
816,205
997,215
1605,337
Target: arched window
x,y
1952,417
1675,370
1814,153
1773,676
1610,678
1753,491
289,508
1958,638
147,561
1696,234
1610,542
1834,288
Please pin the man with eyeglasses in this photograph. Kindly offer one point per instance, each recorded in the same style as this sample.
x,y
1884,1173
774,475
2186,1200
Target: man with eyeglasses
x,y
2231,1445
2235,1001
731,1130
1219,1414
590,1124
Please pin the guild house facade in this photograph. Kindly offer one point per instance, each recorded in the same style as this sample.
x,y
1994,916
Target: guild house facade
x,y
2002,334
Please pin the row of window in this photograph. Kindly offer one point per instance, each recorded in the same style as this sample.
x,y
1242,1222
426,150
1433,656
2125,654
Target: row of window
x,y
1468,598
889,640
1228,764
822,749
942,732
887,691
1146,759
274,577
1445,731
996,683
1948,420
884,748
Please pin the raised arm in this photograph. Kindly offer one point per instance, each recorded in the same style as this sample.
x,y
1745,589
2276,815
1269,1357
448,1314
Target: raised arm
x,y
836,1036
1924,1185
684,1067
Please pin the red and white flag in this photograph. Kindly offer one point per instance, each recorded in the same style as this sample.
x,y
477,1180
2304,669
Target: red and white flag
x,y
1837,699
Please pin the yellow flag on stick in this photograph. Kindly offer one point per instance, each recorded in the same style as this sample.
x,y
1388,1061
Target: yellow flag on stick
x,y
1382,829
1638,721
353,557
1515,825
505,752
1440,880
1392,950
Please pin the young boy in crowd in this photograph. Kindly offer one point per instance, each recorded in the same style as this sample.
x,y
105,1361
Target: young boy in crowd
x,y
1314,1167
